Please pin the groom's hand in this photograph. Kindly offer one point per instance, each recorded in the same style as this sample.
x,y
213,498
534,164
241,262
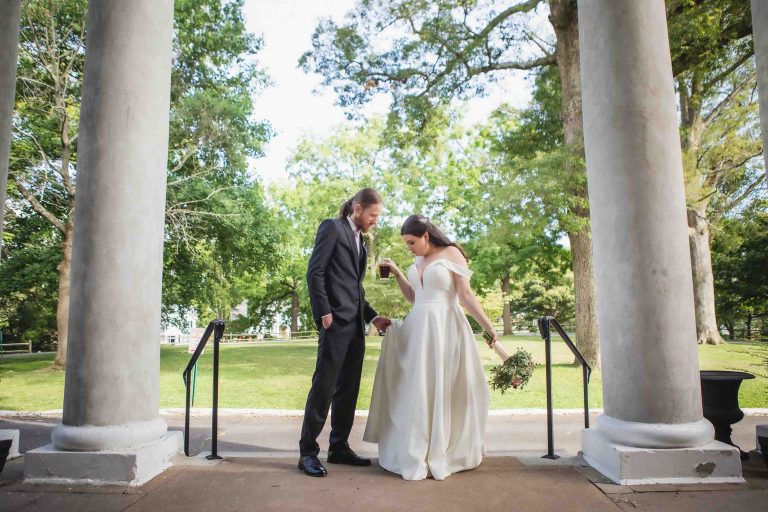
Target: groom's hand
x,y
327,321
382,323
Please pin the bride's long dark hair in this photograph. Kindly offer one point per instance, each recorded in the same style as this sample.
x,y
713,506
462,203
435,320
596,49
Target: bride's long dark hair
x,y
417,225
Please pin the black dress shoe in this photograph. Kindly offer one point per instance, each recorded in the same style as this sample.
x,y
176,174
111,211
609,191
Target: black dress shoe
x,y
312,466
345,455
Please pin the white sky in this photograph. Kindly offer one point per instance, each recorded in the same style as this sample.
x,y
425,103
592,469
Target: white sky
x,y
290,105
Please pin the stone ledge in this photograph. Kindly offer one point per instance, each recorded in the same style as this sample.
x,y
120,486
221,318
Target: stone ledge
x,y
715,462
129,466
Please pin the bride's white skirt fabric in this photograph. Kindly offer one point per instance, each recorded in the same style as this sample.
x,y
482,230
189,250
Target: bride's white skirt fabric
x,y
430,396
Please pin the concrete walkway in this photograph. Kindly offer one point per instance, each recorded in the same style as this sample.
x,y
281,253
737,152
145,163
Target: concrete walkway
x,y
259,473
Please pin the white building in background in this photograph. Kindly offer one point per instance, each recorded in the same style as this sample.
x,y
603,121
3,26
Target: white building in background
x,y
187,330
172,332
238,311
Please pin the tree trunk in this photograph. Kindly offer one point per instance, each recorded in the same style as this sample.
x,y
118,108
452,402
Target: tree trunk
x,y
586,300
749,327
565,21
62,307
703,284
507,316
692,130
294,311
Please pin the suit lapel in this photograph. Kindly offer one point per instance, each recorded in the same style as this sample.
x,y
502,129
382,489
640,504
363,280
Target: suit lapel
x,y
351,239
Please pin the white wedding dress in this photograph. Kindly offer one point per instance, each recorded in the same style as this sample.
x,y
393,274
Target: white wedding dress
x,y
430,396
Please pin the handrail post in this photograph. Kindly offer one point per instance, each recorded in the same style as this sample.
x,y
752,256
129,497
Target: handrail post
x,y
186,418
216,328
545,324
585,381
218,334
547,335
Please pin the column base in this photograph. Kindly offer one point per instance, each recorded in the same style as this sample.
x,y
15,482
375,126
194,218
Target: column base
x,y
123,466
714,462
13,435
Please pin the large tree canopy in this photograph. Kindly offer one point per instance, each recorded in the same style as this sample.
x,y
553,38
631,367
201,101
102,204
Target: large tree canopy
x,y
423,53
218,230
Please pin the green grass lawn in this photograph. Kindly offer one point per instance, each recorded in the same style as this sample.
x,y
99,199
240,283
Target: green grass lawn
x,y
276,375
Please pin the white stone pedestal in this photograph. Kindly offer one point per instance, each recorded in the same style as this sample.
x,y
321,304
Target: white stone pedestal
x,y
128,466
13,435
714,462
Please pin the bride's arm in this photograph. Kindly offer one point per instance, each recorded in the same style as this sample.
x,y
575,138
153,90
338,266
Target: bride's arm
x,y
471,304
402,281
405,287
464,292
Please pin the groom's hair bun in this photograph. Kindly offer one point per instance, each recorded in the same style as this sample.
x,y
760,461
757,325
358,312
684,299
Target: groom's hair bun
x,y
365,197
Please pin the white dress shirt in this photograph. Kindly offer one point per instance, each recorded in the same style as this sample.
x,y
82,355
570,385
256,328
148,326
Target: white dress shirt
x,y
356,230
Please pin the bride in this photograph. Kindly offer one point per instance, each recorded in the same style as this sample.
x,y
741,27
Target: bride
x,y
430,396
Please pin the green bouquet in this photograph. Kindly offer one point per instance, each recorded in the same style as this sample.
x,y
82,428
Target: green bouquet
x,y
516,369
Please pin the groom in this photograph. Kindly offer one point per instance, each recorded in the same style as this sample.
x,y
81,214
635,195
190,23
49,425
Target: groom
x,y
334,279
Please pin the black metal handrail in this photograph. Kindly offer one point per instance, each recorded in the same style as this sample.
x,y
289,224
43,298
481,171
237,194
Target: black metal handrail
x,y
544,328
216,328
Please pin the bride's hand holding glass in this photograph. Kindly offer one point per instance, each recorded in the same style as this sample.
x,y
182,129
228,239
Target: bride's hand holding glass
x,y
386,266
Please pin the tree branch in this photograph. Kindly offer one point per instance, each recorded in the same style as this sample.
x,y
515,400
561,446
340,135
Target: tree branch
x,y
721,76
190,177
713,177
477,41
39,208
751,188
206,198
186,211
39,147
187,153
725,101
547,60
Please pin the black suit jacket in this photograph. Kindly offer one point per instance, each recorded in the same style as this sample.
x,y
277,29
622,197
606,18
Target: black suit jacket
x,y
335,274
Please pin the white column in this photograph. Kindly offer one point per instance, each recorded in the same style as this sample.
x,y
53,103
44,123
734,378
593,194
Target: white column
x,y
113,360
9,53
651,386
760,39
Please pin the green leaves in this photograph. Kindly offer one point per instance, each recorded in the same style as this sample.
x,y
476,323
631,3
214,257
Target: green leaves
x,y
514,373
220,236
739,260
28,281
423,54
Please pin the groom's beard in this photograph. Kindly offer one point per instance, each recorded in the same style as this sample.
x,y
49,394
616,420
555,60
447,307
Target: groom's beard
x,y
361,228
